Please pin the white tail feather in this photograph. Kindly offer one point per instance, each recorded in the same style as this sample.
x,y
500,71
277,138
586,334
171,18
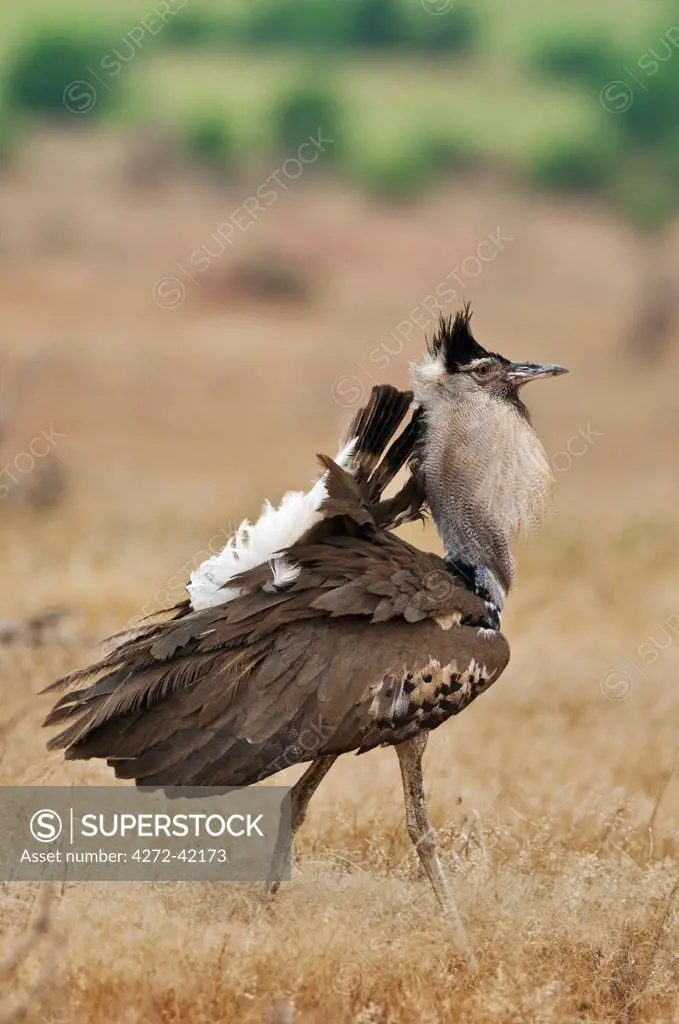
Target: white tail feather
x,y
253,544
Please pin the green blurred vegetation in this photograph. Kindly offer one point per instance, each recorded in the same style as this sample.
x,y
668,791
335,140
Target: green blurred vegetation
x,y
313,25
583,57
44,75
408,95
301,113
209,139
633,160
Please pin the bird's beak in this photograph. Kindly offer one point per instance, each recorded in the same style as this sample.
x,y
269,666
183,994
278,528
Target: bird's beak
x,y
521,373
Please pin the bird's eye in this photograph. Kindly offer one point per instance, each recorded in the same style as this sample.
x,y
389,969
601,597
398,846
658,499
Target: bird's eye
x,y
483,369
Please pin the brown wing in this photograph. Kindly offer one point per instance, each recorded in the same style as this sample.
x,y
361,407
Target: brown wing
x,y
323,688
374,642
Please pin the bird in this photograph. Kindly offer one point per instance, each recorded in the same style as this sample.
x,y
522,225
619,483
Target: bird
x,y
318,630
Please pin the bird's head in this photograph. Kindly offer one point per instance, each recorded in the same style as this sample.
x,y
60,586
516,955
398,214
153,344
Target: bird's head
x,y
458,368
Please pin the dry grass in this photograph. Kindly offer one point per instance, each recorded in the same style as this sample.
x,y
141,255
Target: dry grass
x,y
558,807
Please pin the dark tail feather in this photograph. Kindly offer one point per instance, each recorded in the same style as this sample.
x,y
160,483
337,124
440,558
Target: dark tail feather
x,y
357,493
375,425
406,506
400,452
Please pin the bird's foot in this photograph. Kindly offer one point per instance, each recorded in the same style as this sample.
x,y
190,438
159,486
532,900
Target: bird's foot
x,y
269,890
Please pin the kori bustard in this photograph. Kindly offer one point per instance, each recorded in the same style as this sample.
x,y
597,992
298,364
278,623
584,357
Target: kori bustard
x,y
318,631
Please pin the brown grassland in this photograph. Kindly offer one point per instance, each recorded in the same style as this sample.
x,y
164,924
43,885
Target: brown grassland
x,y
556,794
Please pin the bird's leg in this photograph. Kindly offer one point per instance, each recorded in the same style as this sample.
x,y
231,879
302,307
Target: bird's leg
x,y
301,794
424,836
417,820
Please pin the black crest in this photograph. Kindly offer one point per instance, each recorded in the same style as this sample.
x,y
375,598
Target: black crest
x,y
455,342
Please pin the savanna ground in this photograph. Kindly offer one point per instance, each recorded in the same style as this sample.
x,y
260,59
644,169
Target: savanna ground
x,y
556,794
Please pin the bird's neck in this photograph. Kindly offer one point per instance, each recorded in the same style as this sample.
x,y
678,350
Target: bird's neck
x,y
487,478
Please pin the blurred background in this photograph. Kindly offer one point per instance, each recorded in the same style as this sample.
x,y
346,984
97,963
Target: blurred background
x,y
220,223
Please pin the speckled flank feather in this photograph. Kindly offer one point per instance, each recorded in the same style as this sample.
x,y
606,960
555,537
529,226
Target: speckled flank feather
x,y
428,696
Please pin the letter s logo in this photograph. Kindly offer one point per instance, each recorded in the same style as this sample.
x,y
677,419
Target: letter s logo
x,y
46,826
